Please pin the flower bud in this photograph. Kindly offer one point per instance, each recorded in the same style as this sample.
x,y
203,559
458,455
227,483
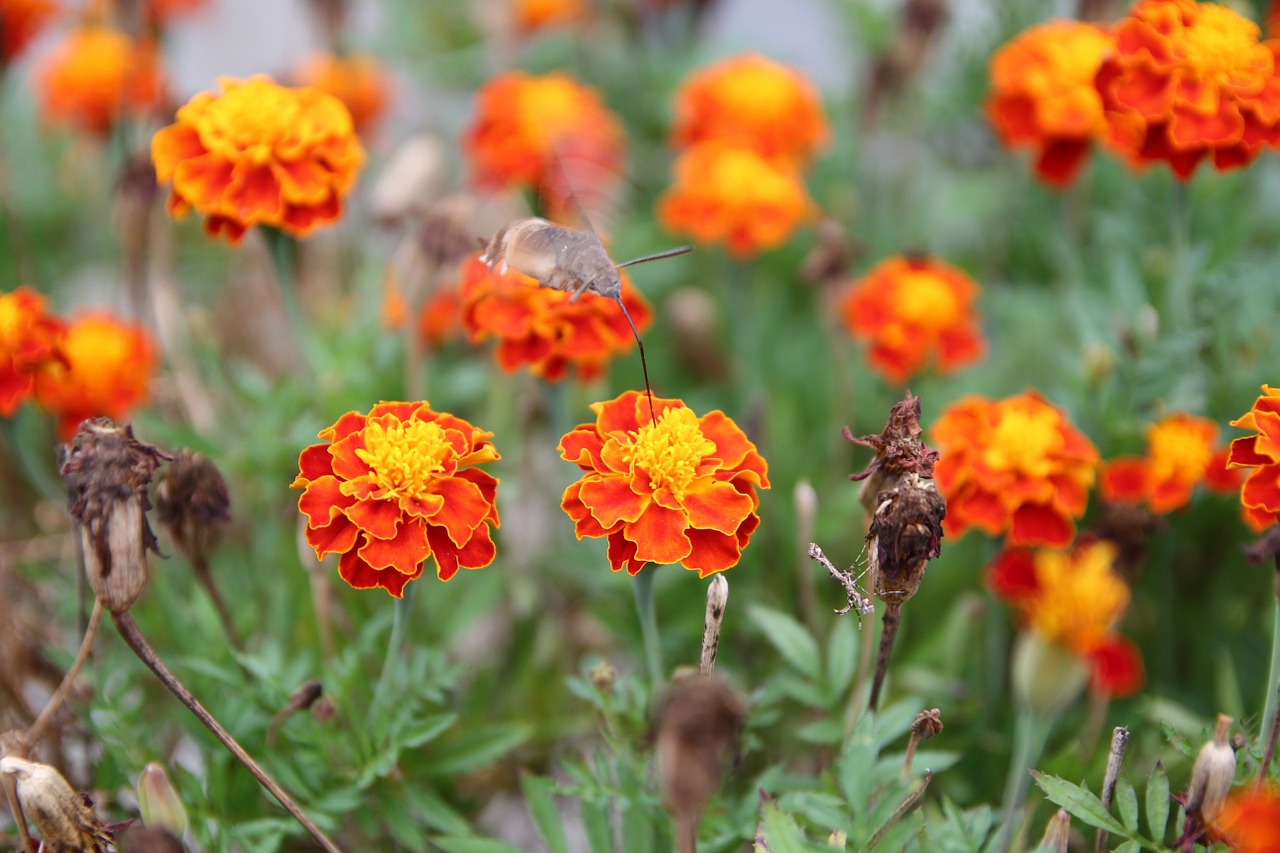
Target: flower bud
x,y
62,817
717,601
159,803
192,502
1046,676
1212,774
1057,833
603,675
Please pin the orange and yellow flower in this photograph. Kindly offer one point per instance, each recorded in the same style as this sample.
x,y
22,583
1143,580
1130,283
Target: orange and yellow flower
x,y
98,75
1180,451
665,486
529,16
913,310
1250,820
1189,81
540,133
441,316
30,339
750,101
1260,493
357,80
1015,465
105,370
546,329
727,194
390,489
1043,94
257,153
20,22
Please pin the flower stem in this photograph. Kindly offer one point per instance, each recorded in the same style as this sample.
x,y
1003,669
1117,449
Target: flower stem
x,y
129,631
642,586
399,626
1030,733
889,622
36,732
1271,703
284,259
200,567
19,819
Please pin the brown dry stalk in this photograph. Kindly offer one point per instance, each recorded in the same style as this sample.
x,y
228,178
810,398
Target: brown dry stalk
x,y
200,566
36,732
889,622
19,819
1115,756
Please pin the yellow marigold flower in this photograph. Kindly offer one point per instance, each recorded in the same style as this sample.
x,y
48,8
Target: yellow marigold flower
x,y
257,153
726,194
529,16
105,371
392,488
1189,81
357,80
20,22
1043,97
30,339
913,310
1015,465
1180,450
530,131
1260,493
752,102
96,76
1080,598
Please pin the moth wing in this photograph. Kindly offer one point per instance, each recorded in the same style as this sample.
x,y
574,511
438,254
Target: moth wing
x,y
530,246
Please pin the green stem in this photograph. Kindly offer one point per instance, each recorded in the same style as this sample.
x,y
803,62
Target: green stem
x,y
1178,296
1273,679
1030,733
642,586
399,626
284,258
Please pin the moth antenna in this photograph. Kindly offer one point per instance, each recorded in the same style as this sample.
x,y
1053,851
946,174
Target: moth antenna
x,y
657,256
643,364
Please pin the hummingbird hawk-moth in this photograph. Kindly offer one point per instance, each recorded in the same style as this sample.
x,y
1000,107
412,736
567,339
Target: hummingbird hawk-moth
x,y
567,259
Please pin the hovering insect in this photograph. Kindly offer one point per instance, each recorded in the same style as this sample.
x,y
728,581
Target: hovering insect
x,y
568,259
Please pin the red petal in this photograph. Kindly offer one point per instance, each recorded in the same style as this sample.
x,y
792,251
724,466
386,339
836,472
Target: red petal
x,y
611,500
712,552
323,501
360,575
713,505
659,535
377,518
582,448
464,509
1035,524
315,462
1244,453
336,538
404,553
622,555
1261,491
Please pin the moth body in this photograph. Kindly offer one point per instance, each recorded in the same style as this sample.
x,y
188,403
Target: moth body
x,y
561,258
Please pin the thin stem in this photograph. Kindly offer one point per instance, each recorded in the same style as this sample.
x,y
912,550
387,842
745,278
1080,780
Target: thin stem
x,y
1271,705
200,565
1115,756
890,620
36,732
399,627
1030,733
642,586
284,258
19,819
1178,297
129,631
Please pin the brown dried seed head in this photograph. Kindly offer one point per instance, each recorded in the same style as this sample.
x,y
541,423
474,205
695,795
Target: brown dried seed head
x,y
62,817
698,727
904,535
1212,774
192,502
927,724
323,710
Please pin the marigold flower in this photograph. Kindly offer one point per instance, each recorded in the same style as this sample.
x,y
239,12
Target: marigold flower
x,y
530,131
546,329
20,22
391,488
29,340
257,153
529,16
1260,493
724,193
356,80
665,486
751,101
1015,465
1117,668
1250,820
1043,95
1180,449
105,371
913,309
441,317
96,75
1187,81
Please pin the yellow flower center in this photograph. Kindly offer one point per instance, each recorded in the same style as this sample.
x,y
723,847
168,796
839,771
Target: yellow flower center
x,y
925,300
1080,597
1026,440
1218,41
1179,450
669,451
251,117
552,107
404,457
757,89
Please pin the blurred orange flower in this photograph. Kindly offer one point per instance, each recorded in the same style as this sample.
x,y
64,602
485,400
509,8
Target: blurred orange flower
x,y
1260,493
1043,96
356,80
1180,450
20,22
529,16
30,339
257,153
106,371
1117,668
751,101
1015,465
1250,820
726,194
1187,81
544,328
912,310
441,317
530,132
97,75
391,488
664,487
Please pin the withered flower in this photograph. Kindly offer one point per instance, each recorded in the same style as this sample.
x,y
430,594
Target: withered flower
x,y
63,817
107,471
927,724
1211,778
192,501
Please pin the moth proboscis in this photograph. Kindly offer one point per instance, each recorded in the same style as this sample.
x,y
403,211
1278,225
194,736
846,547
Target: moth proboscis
x,y
571,260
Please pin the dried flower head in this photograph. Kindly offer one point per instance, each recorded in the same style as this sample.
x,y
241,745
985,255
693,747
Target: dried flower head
x,y
1211,778
96,76
927,724
192,502
63,817
355,79
1260,493
30,339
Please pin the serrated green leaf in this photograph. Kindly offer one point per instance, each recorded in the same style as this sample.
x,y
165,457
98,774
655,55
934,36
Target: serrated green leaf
x,y
822,811
790,638
539,796
395,818
597,825
781,832
1126,803
439,815
1079,802
418,732
842,657
474,845
828,730
1157,804
1128,847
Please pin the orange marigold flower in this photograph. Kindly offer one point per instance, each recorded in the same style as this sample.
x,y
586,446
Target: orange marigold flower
x,y
529,16
20,22
544,328
1250,820
30,339
1015,465
441,317
98,74
1117,668
356,80
530,131
726,194
665,486
913,309
1180,449
1260,493
391,488
1043,95
1187,81
257,153
105,371
751,101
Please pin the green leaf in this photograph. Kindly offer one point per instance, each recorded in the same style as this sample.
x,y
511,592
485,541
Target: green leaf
x,y
1079,802
781,832
426,729
828,730
474,845
395,817
1158,804
539,796
842,657
637,829
595,822
475,749
790,638
439,815
1129,846
1126,802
